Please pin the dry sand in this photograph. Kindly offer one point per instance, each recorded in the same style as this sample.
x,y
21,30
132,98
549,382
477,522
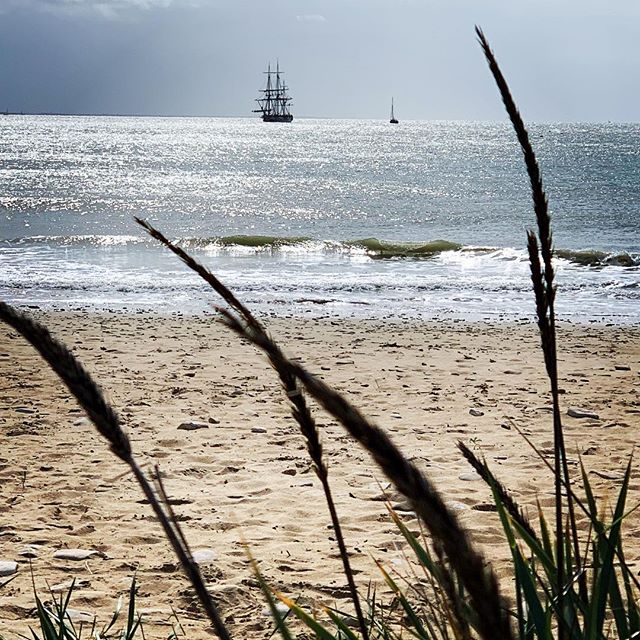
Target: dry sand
x,y
247,476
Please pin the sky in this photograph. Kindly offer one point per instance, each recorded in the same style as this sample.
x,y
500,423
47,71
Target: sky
x,y
566,60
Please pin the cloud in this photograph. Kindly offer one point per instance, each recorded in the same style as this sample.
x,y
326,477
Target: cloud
x,y
104,8
311,17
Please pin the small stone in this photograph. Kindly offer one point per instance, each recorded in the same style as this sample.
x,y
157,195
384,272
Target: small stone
x,y
81,422
79,616
258,430
622,367
281,608
469,476
290,472
213,421
24,410
75,554
8,567
402,505
484,506
65,586
203,556
505,425
576,412
192,425
608,475
456,506
30,551
476,412
153,614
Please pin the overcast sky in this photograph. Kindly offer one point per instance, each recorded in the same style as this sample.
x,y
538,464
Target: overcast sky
x,y
566,60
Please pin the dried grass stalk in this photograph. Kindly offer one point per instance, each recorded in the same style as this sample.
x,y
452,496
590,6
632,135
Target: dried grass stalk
x,y
468,564
299,408
104,417
544,288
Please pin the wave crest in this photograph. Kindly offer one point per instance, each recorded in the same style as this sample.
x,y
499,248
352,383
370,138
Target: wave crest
x,y
372,247
593,258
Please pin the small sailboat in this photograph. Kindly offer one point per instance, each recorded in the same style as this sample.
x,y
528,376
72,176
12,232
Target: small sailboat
x,y
274,105
393,119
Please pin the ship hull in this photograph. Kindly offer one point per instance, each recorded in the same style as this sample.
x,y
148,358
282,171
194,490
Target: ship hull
x,y
277,118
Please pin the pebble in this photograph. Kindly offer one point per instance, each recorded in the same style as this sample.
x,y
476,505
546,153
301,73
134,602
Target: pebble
x,y
608,475
290,472
576,412
79,616
476,412
352,622
24,410
214,421
192,425
258,430
469,476
81,422
30,551
203,556
456,506
622,367
8,567
75,554
280,606
484,506
65,586
405,506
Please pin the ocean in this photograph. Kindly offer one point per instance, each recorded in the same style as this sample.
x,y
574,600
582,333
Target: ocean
x,y
331,218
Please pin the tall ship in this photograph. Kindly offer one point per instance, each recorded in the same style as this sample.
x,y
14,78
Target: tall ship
x,y
274,103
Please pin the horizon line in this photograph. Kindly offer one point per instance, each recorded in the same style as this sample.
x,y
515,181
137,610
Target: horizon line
x,y
381,118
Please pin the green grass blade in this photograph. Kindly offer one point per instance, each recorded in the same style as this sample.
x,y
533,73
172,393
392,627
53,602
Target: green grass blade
x,y
310,621
544,533
633,614
532,599
605,554
342,625
524,574
281,624
114,618
423,556
591,501
406,605
131,613
538,550
46,624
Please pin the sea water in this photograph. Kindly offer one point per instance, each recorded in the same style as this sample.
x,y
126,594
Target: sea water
x,y
317,217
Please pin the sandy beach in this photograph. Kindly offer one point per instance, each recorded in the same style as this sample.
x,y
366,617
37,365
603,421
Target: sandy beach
x,y
246,476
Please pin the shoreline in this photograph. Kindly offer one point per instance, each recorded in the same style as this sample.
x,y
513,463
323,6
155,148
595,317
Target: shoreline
x,y
315,313
247,476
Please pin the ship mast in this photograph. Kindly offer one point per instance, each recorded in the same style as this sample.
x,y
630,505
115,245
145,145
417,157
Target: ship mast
x,y
278,101
274,103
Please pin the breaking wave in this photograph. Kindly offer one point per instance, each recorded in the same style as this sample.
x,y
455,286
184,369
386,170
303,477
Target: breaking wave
x,y
372,247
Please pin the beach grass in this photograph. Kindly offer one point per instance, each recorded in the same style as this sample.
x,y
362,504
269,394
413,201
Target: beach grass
x,y
566,581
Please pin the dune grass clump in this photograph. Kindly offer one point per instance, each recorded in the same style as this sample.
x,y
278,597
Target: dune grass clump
x,y
568,582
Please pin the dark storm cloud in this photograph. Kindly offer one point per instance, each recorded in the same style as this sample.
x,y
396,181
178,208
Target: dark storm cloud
x,y
106,8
